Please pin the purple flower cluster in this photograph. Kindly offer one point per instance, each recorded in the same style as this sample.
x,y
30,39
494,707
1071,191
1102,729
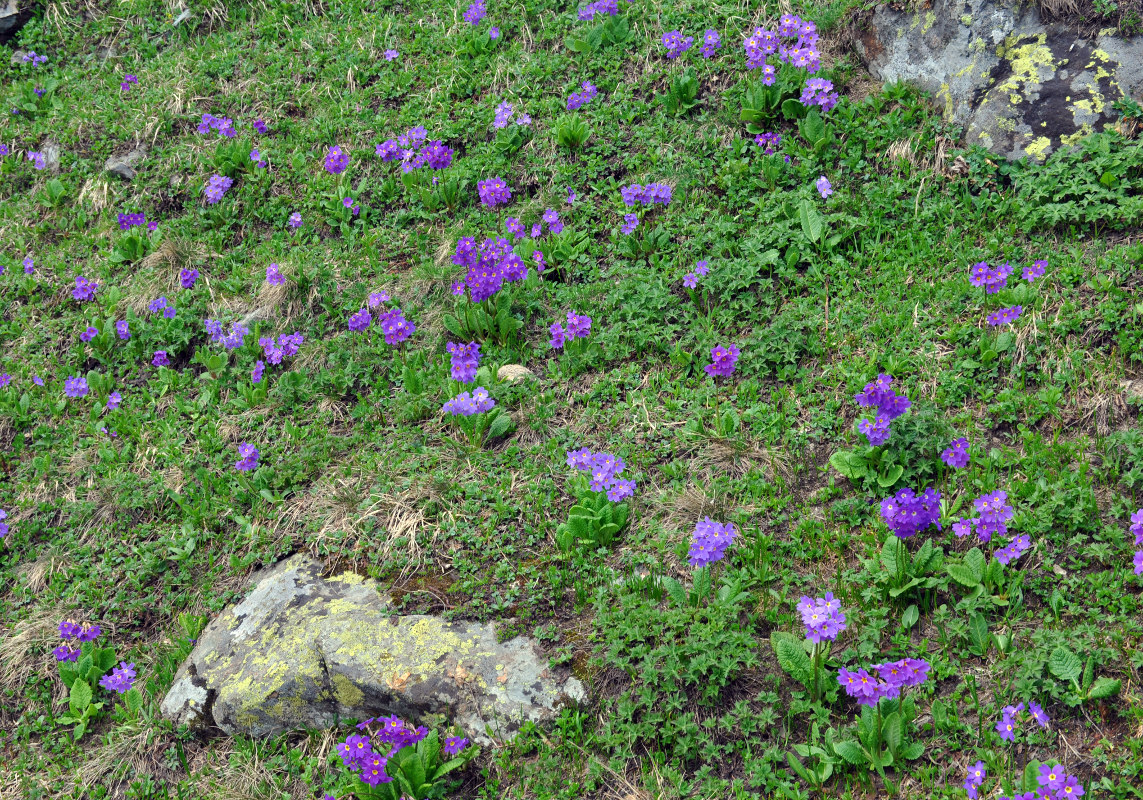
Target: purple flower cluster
x,y
89,334
711,42
819,92
465,404
489,266
377,298
889,405
160,359
1055,784
804,54
163,305
129,221
956,454
120,679
993,279
1035,270
503,116
722,361
248,461
1005,316
630,223
256,157
824,187
31,58
3,524
577,100
769,142
294,220
75,386
690,280
578,327
216,187
464,360
993,514
599,8
604,470
39,160
650,194
285,347
224,126
256,373
493,192
892,677
409,148
360,320
232,340
72,630
336,160
395,327
976,775
363,754
260,126
1016,548
677,44
187,278
1010,719
475,13
274,276
709,542
1137,529
907,514
84,289
822,617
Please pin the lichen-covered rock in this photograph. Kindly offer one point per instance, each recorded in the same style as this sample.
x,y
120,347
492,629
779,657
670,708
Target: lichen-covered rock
x,y
510,373
1019,86
124,166
304,651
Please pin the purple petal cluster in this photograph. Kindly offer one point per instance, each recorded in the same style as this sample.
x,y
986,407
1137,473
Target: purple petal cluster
x,y
160,359
232,340
577,100
1016,548
475,13
129,221
993,279
578,327
676,43
993,514
690,280
395,327
465,404
889,405
709,542
187,278
652,193
804,53
363,754
75,386
822,617
956,454
493,192
89,334
1137,529
976,775
722,361
819,92
489,266
464,360
336,160
1035,270
248,461
3,524
1055,784
410,149
120,679
824,187
274,275
72,630
224,126
286,346
711,42
1005,316
360,320
769,142
891,678
604,470
907,514
599,8
84,289
630,223
216,187
453,745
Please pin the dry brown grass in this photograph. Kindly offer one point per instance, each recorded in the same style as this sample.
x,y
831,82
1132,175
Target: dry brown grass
x,y
26,648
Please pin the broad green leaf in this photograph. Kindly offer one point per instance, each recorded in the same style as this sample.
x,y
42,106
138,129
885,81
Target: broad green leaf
x,y
792,657
975,561
675,591
1065,664
80,697
797,767
889,556
910,617
811,221
914,751
893,729
848,464
1103,687
978,634
501,425
890,476
851,752
962,575
900,590
133,700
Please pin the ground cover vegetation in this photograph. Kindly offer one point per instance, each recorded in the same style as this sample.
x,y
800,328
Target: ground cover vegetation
x,y
825,481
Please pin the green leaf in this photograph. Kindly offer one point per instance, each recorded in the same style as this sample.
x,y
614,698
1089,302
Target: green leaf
x,y
910,617
79,698
975,561
900,590
797,767
889,556
675,591
68,674
811,221
1102,688
893,729
1065,664
849,464
978,634
792,657
962,575
413,770
792,109
501,425
914,751
891,476
1031,776
851,751
134,700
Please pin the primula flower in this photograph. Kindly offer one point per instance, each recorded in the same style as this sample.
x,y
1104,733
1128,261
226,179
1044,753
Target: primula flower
x,y
453,745
160,359
84,289
274,276
1136,526
1051,777
769,142
1038,714
89,633
993,279
709,542
630,223
690,280
956,455
187,278
39,160
1005,315
822,617
892,678
676,43
475,13
994,514
1016,548
260,126
120,679
637,194
819,92
295,220
824,187
502,116
3,524
464,360
216,187
396,328
466,404
249,458
1137,563
723,361
493,192
336,160
66,653
907,514
89,334
976,775
114,400
1035,270
493,33
75,386
390,54
711,41
361,320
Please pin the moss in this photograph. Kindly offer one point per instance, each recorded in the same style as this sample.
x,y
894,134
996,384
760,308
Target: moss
x,y
347,694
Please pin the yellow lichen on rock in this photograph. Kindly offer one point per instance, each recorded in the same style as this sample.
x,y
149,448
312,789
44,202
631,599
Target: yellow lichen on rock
x,y
1038,148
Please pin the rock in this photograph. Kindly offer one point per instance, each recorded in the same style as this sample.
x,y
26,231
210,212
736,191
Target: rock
x,y
51,153
12,18
513,372
1019,86
18,56
124,166
305,651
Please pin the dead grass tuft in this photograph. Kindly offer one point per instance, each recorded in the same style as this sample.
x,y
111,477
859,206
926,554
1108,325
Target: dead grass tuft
x,y
26,648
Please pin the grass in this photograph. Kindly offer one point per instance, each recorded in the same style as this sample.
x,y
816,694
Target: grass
x,y
151,532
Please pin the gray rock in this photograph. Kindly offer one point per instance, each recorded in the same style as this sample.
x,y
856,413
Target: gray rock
x,y
124,166
305,651
51,153
13,16
514,372
1019,86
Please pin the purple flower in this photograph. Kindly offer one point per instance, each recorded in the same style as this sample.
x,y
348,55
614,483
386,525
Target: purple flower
x,y
29,267
120,679
274,276
907,513
1136,526
216,187
1006,727
711,41
295,220
891,678
709,542
690,280
1037,712
964,527
336,160
249,458
89,633
571,196
457,288
66,653
114,400
465,404
160,359
5,380
502,116
39,160
630,223
994,514
676,43
256,373
723,361
1051,777
1016,548
75,386
702,268
819,92
453,745
553,221
876,430
822,617
1036,270
169,312
475,13
436,155
361,320
604,470
514,227
976,775
1005,315
493,192
493,33
464,360
377,298
84,289
824,187
956,455
992,279
260,126
395,327
390,54
1138,562
89,334
652,193
187,278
